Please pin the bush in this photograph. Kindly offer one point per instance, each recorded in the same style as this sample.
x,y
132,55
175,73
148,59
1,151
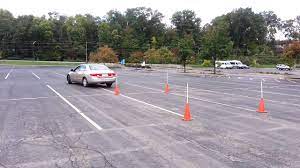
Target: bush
x,y
160,56
104,55
136,57
206,63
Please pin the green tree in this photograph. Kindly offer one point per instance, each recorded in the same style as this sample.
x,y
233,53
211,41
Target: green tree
x,y
273,24
217,42
247,30
185,46
291,28
187,23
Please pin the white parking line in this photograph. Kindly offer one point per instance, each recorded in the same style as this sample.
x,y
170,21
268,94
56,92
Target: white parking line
x,y
277,80
8,73
76,109
204,100
151,105
35,75
25,98
60,74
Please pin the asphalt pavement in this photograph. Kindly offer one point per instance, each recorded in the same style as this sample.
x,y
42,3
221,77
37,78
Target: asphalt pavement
x,y
45,122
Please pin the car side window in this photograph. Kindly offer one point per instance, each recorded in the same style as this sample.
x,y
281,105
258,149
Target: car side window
x,y
82,68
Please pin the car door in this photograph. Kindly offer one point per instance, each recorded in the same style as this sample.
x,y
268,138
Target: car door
x,y
73,74
80,73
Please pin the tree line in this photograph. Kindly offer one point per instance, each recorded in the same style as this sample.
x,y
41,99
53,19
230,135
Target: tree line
x,y
139,33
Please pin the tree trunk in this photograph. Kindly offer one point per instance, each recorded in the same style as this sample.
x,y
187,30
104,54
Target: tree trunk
x,y
184,67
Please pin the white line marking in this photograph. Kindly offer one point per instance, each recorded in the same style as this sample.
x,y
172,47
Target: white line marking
x,y
35,75
277,80
204,100
25,98
151,105
59,74
8,73
76,109
250,78
291,81
263,80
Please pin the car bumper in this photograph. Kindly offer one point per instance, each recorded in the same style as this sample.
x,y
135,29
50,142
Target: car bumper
x,y
96,80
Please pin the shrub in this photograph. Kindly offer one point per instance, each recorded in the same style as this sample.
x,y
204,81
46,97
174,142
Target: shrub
x,y
104,55
136,57
206,63
160,56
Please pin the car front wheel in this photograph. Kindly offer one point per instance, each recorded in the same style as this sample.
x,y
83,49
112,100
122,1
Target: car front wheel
x,y
69,79
85,82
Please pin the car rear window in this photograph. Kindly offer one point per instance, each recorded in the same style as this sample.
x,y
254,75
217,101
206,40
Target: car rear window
x,y
98,67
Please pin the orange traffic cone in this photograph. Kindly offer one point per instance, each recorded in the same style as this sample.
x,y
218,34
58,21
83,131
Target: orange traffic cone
x,y
167,89
187,113
117,90
261,106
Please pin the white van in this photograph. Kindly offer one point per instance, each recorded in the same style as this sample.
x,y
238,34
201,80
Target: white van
x,y
238,64
223,65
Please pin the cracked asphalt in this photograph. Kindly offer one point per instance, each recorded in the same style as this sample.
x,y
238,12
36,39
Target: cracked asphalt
x,y
73,126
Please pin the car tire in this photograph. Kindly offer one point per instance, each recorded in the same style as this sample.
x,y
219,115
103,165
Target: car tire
x,y
85,82
109,85
69,79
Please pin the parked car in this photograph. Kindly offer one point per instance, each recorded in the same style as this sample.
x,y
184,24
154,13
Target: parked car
x,y
283,67
238,64
87,74
223,65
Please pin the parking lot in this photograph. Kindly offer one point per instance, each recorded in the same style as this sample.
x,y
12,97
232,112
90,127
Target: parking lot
x,y
45,122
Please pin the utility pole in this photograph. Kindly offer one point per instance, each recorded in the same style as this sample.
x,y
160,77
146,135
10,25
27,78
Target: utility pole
x,y
86,56
33,47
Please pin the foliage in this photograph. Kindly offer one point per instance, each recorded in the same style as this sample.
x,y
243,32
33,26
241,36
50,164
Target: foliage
x,y
104,55
247,30
240,33
152,56
291,28
160,56
136,57
216,40
185,46
207,63
292,53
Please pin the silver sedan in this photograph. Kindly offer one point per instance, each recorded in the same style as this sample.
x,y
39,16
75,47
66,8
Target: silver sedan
x,y
87,74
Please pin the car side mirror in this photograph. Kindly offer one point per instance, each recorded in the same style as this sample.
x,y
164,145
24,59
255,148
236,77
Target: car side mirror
x,y
72,70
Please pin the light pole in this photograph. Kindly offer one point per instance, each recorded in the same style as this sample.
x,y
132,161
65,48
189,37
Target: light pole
x,y
86,56
33,44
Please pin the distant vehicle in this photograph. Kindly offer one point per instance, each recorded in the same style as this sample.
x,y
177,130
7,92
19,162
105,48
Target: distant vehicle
x,y
87,74
238,64
223,65
283,67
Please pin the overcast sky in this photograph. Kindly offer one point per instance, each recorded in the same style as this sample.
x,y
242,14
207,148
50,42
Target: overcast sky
x,y
205,9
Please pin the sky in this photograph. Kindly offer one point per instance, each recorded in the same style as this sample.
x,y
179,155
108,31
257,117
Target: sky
x,y
205,9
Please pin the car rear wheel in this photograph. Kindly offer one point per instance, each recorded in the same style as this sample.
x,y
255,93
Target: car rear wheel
x,y
85,82
69,79
109,85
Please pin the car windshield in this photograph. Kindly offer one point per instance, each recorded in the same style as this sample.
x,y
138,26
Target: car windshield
x,y
98,67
